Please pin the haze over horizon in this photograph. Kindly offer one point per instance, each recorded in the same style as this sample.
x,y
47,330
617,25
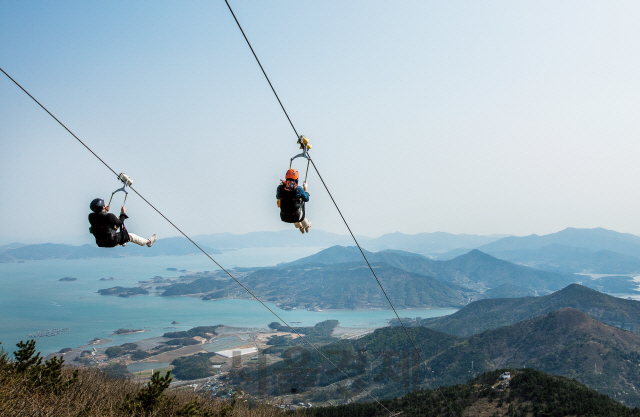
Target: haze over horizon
x,y
489,118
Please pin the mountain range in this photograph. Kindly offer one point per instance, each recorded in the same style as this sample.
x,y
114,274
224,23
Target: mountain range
x,y
563,342
163,247
596,251
475,270
483,315
338,278
340,286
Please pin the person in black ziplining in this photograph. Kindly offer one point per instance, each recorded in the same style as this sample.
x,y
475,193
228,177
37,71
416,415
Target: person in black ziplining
x,y
105,225
291,198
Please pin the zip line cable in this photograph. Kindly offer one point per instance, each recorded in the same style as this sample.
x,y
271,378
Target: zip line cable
x,y
263,71
334,203
366,260
196,245
325,185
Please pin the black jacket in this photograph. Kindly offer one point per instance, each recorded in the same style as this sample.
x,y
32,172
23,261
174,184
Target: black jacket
x,y
104,227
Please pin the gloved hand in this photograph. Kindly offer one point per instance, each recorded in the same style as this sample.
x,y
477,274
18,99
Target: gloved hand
x,y
304,185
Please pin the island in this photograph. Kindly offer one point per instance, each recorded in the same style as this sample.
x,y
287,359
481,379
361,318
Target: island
x,y
99,341
123,291
107,279
128,331
68,279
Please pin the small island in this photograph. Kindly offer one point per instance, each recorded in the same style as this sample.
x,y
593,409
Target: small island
x,y
107,279
123,291
99,341
68,279
128,331
175,322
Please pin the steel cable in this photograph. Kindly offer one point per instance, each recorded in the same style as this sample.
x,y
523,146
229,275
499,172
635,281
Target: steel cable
x,y
197,246
327,189
323,183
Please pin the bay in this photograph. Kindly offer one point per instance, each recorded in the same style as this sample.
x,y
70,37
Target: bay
x,y
33,299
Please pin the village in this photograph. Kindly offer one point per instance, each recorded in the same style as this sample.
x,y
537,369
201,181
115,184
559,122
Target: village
x,y
224,349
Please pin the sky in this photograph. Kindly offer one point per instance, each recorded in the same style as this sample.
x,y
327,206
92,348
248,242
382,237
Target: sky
x,y
493,117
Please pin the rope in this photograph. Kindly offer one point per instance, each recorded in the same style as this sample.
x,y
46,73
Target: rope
x,y
202,250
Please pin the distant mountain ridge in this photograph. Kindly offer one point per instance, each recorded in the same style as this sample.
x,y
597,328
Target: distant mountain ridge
x,y
595,239
428,243
568,259
475,270
163,247
14,245
483,315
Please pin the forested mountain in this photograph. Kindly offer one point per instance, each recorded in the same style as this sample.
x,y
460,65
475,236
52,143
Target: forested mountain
x,y
488,314
347,285
475,270
527,393
564,342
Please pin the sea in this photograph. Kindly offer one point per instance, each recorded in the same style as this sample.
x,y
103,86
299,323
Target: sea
x,y
35,304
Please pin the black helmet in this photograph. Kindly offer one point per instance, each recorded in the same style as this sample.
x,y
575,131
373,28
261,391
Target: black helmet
x,y
97,205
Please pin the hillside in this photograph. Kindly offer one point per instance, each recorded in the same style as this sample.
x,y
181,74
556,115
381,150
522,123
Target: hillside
x,y
567,343
90,392
347,285
488,314
571,344
475,270
529,392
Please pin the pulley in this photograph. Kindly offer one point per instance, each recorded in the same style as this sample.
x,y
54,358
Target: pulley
x,y
305,146
126,180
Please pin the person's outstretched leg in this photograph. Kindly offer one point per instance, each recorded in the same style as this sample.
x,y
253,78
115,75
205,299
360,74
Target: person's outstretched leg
x,y
137,239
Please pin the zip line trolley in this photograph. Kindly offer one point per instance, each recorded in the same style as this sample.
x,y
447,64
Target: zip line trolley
x,y
126,180
305,146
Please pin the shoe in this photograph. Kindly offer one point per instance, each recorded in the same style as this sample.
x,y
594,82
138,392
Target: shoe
x,y
152,239
306,229
302,230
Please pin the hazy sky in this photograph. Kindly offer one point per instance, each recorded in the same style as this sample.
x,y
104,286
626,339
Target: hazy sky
x,y
463,117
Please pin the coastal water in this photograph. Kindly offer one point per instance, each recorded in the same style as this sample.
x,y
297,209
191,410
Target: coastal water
x,y
33,299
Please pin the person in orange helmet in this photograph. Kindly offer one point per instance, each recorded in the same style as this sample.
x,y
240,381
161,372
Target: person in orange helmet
x,y
291,198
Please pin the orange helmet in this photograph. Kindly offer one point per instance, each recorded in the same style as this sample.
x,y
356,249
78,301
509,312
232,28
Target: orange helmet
x,y
292,174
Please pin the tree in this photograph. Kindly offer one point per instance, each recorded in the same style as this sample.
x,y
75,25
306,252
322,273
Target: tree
x,y
114,351
150,396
